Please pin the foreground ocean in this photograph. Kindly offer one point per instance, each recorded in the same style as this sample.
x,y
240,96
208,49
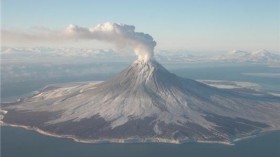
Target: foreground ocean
x,y
18,142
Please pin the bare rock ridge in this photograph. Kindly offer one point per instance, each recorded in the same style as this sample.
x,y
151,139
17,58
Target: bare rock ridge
x,y
146,103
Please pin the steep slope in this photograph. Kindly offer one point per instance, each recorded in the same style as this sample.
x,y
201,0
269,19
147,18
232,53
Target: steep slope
x,y
145,102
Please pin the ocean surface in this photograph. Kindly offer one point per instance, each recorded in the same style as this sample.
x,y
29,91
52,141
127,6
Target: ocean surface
x,y
18,142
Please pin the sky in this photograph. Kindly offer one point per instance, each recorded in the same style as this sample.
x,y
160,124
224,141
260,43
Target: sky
x,y
194,25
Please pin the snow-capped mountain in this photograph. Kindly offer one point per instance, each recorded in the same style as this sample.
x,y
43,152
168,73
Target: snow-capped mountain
x,y
146,103
235,56
264,56
260,56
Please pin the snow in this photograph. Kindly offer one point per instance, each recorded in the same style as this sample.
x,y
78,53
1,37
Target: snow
x,y
2,114
230,84
146,89
260,56
275,94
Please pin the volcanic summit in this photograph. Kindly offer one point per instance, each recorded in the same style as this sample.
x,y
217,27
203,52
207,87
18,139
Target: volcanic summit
x,y
146,103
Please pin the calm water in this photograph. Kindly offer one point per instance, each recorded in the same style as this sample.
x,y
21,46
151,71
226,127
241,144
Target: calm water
x,y
17,142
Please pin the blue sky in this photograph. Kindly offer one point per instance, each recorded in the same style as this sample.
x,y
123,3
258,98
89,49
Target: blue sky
x,y
196,25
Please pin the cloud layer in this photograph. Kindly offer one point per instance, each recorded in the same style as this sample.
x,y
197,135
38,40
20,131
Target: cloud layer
x,y
121,35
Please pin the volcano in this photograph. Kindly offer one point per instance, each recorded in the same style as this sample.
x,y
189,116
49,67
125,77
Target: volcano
x,y
146,103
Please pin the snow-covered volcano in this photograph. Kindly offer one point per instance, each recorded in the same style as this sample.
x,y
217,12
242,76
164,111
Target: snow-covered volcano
x,y
146,103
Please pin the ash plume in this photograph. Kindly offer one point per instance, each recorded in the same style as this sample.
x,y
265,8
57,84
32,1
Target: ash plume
x,y
121,35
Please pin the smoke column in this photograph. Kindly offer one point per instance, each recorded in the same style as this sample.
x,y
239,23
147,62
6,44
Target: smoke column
x,y
121,35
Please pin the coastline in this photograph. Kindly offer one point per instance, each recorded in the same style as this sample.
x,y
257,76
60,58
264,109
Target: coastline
x,y
115,141
90,141
127,140
131,140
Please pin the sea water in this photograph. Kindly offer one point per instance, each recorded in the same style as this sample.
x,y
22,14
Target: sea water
x,y
18,142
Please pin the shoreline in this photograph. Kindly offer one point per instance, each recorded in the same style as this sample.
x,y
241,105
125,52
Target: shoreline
x,y
114,141
132,140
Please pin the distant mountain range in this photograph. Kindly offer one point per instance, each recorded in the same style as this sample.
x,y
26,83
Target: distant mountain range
x,y
262,56
234,56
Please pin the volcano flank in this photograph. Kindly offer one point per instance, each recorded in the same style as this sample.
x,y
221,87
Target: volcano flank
x,y
146,103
